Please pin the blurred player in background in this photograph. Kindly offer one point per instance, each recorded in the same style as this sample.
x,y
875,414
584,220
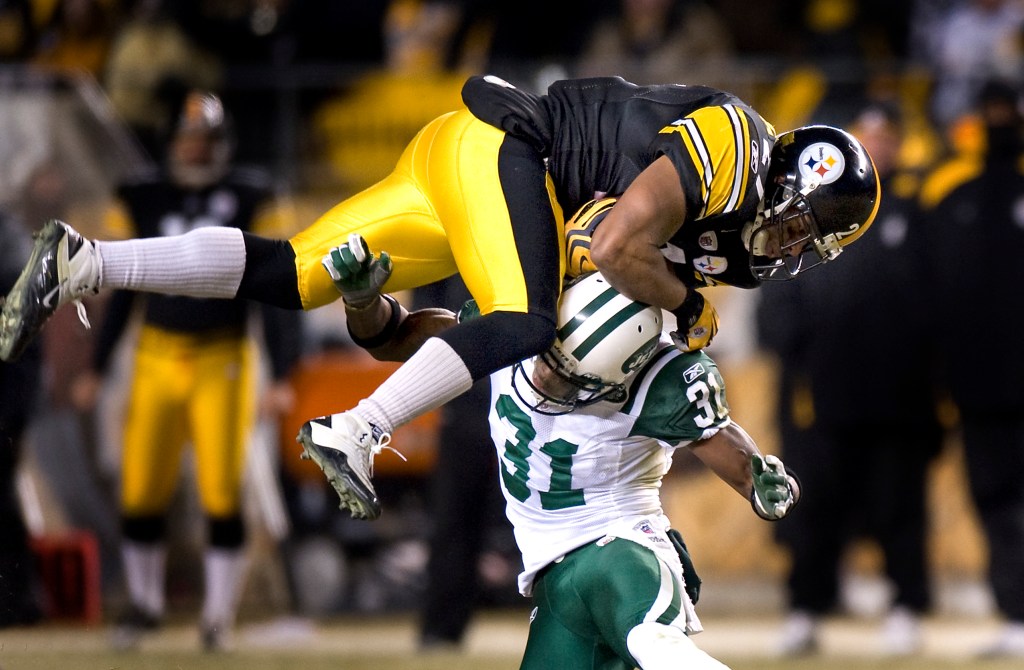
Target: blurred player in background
x,y
194,374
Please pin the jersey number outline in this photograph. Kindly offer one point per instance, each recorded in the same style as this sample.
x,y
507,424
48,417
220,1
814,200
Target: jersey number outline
x,y
560,494
699,394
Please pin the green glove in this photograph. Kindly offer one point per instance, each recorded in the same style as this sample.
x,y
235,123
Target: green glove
x,y
776,491
356,272
469,310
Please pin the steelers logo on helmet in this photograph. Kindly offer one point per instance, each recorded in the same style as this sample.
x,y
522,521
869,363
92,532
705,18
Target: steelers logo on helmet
x,y
823,161
578,232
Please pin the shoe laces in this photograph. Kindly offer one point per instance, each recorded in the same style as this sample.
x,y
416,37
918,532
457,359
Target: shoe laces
x,y
82,315
382,441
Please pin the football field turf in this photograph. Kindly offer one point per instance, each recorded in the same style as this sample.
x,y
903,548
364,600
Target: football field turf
x,y
493,643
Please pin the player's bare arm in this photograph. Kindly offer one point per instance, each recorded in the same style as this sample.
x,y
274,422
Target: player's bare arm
x,y
626,247
727,453
376,321
414,328
733,455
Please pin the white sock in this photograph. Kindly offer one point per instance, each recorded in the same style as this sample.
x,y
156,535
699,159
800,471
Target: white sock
x,y
656,646
144,569
431,377
204,263
223,573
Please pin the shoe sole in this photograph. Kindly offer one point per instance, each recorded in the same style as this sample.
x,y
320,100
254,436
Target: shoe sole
x,y
353,494
15,331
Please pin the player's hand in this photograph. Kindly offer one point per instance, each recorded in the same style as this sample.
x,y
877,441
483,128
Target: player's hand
x,y
696,323
356,272
776,490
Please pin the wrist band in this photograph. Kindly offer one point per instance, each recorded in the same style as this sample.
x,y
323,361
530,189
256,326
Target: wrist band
x,y
389,330
690,308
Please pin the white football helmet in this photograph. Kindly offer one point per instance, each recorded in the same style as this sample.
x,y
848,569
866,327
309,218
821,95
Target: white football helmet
x,y
602,338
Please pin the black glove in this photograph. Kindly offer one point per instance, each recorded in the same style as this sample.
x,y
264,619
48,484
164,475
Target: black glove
x,y
696,322
692,587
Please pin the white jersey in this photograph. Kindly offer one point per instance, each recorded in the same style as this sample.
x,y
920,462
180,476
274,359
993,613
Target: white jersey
x,y
575,478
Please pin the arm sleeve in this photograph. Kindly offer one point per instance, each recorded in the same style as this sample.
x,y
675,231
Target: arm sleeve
x,y
282,334
115,319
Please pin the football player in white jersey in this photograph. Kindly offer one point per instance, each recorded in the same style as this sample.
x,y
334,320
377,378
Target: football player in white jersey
x,y
584,435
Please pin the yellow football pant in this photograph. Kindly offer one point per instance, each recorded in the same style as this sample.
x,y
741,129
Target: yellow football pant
x,y
187,388
443,210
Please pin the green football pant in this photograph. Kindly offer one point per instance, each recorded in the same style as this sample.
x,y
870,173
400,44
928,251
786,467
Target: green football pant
x,y
587,604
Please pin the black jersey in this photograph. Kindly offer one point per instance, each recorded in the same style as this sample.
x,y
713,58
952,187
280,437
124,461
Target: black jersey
x,y
159,208
599,134
156,208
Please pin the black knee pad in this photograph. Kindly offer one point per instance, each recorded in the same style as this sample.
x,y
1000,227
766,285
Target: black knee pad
x,y
270,274
226,532
147,529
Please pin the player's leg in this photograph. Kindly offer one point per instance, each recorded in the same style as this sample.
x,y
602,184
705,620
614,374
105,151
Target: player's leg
x,y
64,267
493,197
637,604
562,634
214,262
221,409
153,440
500,221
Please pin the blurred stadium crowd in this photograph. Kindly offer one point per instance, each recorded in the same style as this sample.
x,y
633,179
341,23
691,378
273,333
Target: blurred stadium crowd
x,y
324,94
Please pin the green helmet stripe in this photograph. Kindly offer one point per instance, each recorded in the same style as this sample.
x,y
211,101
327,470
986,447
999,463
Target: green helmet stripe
x,y
575,322
624,315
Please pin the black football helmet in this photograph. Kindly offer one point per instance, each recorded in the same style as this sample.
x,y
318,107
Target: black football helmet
x,y
202,119
822,193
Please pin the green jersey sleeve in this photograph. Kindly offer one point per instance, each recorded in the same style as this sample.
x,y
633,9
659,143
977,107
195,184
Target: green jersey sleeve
x,y
678,398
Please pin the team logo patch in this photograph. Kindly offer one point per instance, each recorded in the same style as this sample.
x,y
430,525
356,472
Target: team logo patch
x,y
644,527
641,355
754,155
823,161
693,372
708,241
648,530
710,265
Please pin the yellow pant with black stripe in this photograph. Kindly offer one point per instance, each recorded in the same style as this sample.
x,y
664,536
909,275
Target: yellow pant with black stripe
x,y
187,389
454,203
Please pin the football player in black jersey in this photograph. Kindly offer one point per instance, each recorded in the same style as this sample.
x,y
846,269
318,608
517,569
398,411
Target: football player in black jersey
x,y
193,374
706,192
